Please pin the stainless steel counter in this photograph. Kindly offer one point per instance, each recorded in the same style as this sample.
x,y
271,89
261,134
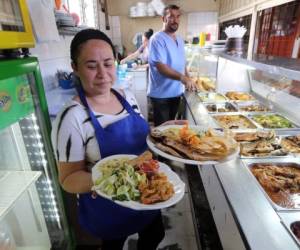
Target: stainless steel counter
x,y
255,220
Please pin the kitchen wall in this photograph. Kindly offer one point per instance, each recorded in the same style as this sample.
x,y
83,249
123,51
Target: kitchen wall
x,y
191,24
230,9
121,8
54,55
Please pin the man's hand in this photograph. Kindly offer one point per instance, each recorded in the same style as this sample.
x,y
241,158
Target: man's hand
x,y
189,84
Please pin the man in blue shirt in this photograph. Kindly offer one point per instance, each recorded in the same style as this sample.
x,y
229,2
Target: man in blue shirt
x,y
167,68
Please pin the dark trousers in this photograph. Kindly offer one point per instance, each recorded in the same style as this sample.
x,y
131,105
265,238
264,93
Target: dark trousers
x,y
149,237
164,109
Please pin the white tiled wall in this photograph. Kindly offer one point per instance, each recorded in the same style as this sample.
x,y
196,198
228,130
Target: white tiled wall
x,y
56,55
116,30
53,56
203,22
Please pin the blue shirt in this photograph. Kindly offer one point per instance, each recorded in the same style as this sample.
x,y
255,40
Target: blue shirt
x,y
164,49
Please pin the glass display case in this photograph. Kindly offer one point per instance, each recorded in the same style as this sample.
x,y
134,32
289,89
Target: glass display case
x,y
31,209
259,104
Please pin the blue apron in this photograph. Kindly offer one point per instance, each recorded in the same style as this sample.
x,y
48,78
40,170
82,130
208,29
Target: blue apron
x,y
102,217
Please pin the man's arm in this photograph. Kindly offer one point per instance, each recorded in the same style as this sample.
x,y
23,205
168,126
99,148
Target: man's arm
x,y
164,69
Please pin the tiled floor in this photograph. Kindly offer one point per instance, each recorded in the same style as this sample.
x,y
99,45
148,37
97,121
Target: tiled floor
x,y
178,221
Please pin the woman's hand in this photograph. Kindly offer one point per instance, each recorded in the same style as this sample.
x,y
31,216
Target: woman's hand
x,y
174,122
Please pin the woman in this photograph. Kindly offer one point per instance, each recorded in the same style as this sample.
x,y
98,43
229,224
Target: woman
x,y
142,51
97,123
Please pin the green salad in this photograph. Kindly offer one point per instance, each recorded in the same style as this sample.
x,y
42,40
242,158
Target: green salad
x,y
272,121
119,180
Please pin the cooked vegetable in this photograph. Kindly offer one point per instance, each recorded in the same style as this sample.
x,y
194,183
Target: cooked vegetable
x,y
272,121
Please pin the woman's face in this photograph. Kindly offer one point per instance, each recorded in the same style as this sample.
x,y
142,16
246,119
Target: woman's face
x,y
95,67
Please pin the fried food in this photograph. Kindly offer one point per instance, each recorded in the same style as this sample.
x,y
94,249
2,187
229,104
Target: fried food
x,y
205,84
156,189
281,182
262,148
234,122
254,136
186,143
291,143
146,156
239,96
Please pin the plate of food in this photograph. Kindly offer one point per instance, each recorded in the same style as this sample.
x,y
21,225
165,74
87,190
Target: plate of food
x,y
192,144
137,182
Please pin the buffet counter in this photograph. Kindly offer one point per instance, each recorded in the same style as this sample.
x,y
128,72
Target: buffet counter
x,y
244,217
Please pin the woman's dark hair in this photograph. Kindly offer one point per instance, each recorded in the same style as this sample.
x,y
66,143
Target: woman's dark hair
x,y
148,33
83,36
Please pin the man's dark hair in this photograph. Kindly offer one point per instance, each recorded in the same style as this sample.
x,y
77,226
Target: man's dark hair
x,y
170,7
83,36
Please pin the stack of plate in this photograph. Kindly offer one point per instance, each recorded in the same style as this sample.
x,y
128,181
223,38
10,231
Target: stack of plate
x,y
64,19
150,10
219,45
141,9
132,11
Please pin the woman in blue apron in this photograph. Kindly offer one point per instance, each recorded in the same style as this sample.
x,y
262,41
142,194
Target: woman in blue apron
x,y
101,121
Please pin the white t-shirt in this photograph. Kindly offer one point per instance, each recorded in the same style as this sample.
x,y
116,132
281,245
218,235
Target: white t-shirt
x,y
73,135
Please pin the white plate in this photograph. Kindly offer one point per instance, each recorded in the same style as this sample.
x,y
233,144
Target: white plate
x,y
179,186
152,146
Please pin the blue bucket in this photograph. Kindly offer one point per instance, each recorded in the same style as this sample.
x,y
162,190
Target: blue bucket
x,y
65,84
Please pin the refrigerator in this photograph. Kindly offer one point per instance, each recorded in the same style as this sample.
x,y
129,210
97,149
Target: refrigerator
x,y
32,215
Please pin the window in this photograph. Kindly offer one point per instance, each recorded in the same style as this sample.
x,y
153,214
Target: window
x,y
86,10
277,30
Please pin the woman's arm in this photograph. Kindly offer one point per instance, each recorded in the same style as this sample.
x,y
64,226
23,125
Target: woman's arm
x,y
74,178
133,55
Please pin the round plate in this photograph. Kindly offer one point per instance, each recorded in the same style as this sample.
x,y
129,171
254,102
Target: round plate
x,y
179,186
152,146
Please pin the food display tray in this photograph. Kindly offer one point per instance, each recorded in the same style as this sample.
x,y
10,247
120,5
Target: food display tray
x,y
253,98
294,124
244,104
287,218
283,161
277,140
222,105
210,97
253,125
293,133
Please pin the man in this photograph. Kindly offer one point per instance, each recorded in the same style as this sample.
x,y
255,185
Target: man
x,y
167,68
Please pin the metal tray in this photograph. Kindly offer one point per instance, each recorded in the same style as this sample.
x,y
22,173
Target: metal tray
x,y
210,97
278,161
252,124
240,92
223,105
294,125
277,140
292,134
287,219
242,105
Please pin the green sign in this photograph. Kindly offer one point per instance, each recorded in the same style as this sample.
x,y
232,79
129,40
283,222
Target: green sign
x,y
15,100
